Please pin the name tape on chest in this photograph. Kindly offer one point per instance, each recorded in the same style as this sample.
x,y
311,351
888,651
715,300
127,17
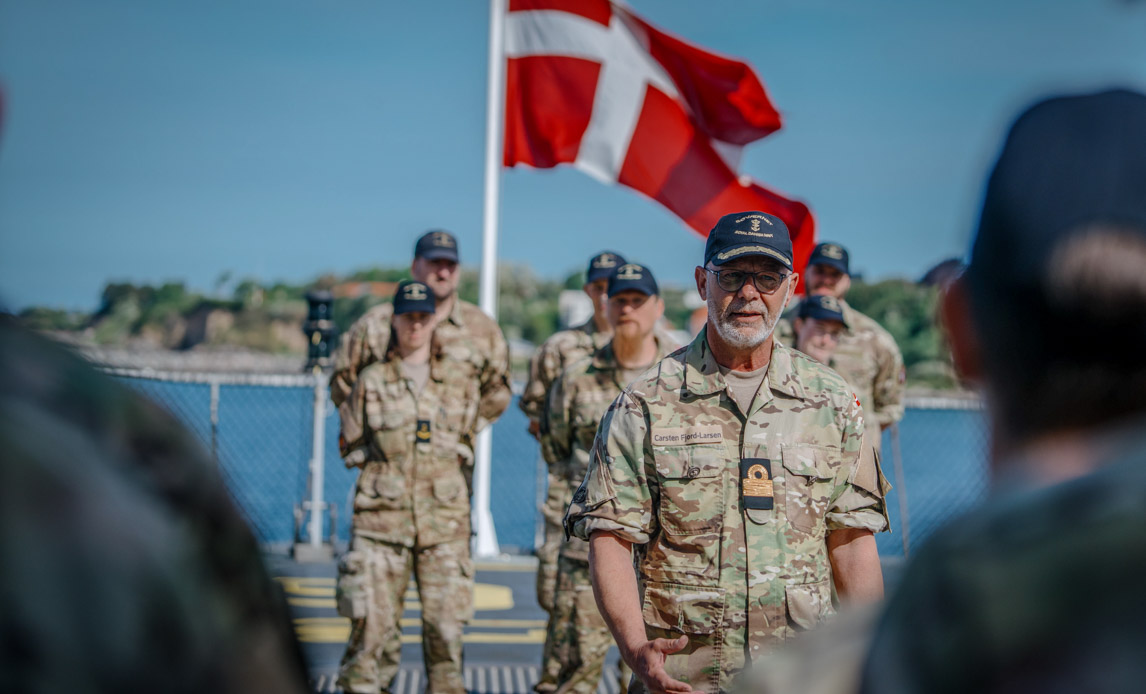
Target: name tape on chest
x,y
687,436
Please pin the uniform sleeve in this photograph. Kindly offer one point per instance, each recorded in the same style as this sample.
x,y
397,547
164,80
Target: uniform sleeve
x,y
537,387
616,495
859,499
356,351
495,392
352,439
887,390
556,430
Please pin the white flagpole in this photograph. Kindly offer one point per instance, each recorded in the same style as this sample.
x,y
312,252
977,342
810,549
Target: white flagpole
x,y
485,542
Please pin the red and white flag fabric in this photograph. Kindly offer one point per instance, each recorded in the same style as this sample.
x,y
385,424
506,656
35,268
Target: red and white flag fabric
x,y
591,84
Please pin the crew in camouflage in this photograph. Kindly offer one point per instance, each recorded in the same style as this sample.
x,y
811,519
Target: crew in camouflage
x,y
562,349
465,335
867,356
746,507
577,402
409,431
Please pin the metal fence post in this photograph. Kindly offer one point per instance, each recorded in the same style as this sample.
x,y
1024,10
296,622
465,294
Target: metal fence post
x,y
901,488
317,463
215,421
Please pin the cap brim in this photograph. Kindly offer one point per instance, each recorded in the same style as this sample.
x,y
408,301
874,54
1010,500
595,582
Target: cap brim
x,y
750,249
830,262
440,253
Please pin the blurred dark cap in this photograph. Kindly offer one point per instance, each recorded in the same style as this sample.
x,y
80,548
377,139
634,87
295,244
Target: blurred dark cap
x,y
602,265
831,254
633,277
1067,163
822,308
412,296
748,233
436,244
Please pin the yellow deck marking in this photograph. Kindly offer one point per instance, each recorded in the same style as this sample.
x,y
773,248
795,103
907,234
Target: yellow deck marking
x,y
337,630
319,592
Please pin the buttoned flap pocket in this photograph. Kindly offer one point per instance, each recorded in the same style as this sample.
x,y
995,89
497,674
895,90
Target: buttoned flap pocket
x,y
809,472
683,609
389,491
450,490
691,488
808,603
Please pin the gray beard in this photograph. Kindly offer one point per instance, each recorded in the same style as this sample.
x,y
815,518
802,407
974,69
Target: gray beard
x,y
737,338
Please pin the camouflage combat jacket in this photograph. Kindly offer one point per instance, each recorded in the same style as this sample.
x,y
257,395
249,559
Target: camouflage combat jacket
x,y
561,350
469,338
678,470
869,360
414,487
577,402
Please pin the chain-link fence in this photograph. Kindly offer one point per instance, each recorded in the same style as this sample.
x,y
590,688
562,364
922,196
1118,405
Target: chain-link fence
x,y
260,429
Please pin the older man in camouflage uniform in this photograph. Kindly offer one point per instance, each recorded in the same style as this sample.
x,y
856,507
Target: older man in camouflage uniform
x,y
739,470
562,349
406,424
867,356
577,402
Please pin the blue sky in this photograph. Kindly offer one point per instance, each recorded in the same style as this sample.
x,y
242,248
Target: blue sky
x,y
281,139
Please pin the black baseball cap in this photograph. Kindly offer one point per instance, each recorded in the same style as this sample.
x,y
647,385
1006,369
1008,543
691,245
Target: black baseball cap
x,y
831,254
748,233
822,308
602,265
413,296
633,277
1068,162
436,244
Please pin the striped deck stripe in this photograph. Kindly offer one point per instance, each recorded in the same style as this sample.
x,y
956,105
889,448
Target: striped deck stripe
x,y
479,679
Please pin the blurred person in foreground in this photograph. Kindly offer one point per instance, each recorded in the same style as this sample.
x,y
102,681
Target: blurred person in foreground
x,y
562,349
866,355
738,470
405,424
1040,589
124,564
818,325
577,402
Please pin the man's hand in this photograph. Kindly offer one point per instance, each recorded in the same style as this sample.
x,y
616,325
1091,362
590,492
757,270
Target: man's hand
x,y
648,662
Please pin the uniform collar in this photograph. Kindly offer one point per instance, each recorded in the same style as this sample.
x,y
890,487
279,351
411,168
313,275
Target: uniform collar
x,y
702,374
456,316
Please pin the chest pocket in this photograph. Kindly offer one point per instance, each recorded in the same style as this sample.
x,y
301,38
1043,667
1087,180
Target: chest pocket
x,y
691,488
391,424
809,473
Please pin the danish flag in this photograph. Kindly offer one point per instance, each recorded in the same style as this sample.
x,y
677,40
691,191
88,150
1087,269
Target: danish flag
x,y
591,84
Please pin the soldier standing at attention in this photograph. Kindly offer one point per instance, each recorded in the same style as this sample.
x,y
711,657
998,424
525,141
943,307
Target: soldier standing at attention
x,y
738,470
577,402
469,340
562,349
819,325
405,424
867,356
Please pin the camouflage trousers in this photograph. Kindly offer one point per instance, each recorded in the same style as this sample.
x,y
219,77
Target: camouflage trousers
x,y
553,512
372,580
578,633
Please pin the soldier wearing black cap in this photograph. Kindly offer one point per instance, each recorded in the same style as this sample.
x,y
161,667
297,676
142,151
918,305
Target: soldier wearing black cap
x,y
734,475
1040,589
577,401
407,424
819,324
867,356
561,349
472,351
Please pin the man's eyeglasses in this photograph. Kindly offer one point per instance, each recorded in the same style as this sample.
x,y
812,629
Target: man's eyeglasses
x,y
733,280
